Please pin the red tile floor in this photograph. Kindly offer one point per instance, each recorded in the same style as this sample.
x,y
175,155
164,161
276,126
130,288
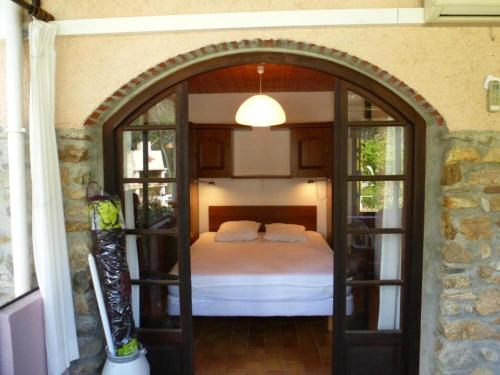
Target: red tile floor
x,y
267,346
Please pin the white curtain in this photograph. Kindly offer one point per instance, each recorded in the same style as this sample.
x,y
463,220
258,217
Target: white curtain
x,y
49,235
388,246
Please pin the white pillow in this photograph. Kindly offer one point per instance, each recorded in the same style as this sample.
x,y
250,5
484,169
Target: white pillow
x,y
285,232
232,231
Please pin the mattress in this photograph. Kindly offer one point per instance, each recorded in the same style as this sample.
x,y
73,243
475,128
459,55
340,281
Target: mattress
x,y
259,278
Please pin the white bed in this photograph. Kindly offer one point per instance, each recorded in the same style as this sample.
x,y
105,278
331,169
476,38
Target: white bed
x,y
260,278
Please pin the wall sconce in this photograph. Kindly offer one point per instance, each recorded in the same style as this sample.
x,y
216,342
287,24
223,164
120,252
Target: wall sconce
x,y
311,181
209,182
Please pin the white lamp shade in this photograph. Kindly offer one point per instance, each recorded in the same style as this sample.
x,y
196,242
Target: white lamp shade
x,y
260,111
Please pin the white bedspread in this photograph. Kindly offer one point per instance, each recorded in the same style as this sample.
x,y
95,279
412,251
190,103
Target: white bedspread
x,y
260,278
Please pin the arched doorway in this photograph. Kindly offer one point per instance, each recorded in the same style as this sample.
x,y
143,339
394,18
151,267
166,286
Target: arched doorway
x,y
362,345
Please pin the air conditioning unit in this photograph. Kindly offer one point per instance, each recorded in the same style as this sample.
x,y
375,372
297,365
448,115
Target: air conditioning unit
x,y
462,11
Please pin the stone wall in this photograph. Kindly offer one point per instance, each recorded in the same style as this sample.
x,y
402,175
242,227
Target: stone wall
x,y
6,282
79,159
469,320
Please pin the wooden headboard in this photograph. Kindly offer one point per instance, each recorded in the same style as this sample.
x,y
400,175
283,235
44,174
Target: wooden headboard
x,y
302,215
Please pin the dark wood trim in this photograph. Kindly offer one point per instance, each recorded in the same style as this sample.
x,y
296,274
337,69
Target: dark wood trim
x,y
147,231
375,231
390,102
396,177
367,123
339,163
261,176
373,282
183,218
196,125
154,282
147,127
301,215
303,125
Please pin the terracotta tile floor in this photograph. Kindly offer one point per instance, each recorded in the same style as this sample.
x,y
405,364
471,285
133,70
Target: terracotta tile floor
x,y
267,346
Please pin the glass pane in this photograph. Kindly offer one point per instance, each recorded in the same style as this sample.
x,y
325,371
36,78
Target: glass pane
x,y
374,257
361,109
162,200
162,113
374,308
132,154
376,150
159,307
160,212
153,258
132,207
375,204
161,153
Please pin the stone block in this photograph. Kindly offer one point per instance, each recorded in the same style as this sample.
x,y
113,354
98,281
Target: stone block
x,y
77,226
456,282
489,354
495,203
73,154
89,346
447,227
477,330
462,154
485,272
456,356
492,156
459,202
481,371
451,175
456,253
494,189
476,227
87,324
485,177
488,302
485,251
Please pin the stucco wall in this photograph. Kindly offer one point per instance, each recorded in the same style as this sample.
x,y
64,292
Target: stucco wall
x,y
445,65
114,8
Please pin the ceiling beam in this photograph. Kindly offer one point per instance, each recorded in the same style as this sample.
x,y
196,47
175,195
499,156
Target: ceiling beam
x,y
238,21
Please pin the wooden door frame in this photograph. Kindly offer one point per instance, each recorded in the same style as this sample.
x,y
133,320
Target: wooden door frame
x,y
412,309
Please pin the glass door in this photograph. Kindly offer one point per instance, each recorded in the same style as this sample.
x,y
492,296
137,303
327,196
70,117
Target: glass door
x,y
372,234
153,180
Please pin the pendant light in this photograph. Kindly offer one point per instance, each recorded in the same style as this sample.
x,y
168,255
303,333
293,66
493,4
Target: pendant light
x,y
260,110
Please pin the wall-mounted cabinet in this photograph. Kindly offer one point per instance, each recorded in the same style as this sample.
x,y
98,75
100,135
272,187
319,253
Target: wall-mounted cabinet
x,y
212,153
308,146
310,152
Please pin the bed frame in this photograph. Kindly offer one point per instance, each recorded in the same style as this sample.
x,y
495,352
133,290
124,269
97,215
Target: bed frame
x,y
302,215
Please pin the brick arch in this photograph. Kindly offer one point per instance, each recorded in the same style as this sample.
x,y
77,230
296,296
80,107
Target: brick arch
x,y
116,100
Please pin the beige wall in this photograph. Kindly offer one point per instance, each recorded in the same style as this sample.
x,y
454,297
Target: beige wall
x,y
115,8
447,65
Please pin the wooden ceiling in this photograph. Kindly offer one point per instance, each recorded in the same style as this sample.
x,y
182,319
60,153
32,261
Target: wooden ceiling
x,y
276,78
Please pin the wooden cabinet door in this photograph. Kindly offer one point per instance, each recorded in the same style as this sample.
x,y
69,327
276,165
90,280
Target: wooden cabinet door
x,y
310,152
212,153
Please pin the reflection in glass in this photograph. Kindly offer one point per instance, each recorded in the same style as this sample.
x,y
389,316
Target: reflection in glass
x,y
162,201
160,211
161,153
154,308
374,204
132,154
361,109
374,257
375,150
375,308
162,113
133,198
